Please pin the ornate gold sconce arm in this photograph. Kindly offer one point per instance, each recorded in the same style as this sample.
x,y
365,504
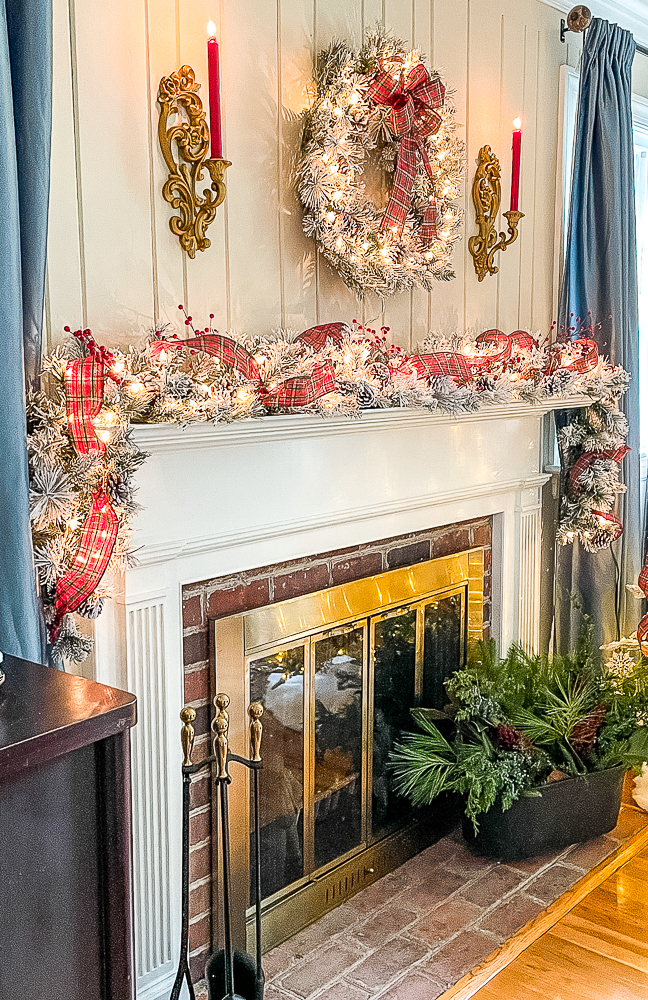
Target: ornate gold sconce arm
x,y
177,95
487,195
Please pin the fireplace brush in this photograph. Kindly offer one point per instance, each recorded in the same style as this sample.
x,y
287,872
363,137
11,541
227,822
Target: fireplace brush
x,y
231,975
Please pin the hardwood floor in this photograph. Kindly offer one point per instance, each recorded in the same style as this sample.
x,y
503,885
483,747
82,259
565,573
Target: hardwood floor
x,y
598,951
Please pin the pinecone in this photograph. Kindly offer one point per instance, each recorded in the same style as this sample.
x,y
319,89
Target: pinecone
x,y
118,488
358,115
512,739
583,735
366,395
556,383
91,607
381,372
346,387
180,386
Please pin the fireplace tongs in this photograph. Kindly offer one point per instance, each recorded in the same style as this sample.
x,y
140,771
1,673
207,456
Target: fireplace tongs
x,y
225,966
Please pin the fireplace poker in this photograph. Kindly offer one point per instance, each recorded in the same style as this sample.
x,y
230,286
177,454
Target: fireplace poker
x,y
226,969
236,972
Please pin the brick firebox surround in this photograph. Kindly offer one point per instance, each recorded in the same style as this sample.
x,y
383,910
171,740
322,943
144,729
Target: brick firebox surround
x,y
220,597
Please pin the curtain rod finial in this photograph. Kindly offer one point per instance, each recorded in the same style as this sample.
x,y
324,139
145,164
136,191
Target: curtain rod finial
x,y
579,18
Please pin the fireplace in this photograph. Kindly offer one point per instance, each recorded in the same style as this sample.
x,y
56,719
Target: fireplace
x,y
230,518
337,672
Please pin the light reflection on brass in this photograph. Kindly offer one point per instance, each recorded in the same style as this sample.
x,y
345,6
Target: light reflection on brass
x,y
277,622
187,735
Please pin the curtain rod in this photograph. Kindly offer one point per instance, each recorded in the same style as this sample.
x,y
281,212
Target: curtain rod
x,y
579,19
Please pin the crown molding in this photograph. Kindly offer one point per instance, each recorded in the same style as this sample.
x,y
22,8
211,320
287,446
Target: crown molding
x,y
629,14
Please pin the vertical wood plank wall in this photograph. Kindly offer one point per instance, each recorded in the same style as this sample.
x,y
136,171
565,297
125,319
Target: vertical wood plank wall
x,y
115,266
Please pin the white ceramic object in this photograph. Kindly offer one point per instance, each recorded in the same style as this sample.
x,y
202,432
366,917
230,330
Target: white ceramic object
x,y
640,792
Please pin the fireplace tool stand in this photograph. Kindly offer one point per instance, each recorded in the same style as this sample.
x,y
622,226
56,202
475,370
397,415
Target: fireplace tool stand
x,y
226,970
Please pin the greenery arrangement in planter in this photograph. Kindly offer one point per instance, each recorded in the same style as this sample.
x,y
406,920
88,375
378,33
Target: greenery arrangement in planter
x,y
522,727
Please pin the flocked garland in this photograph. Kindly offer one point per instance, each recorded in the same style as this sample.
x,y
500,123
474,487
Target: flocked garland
x,y
332,370
352,144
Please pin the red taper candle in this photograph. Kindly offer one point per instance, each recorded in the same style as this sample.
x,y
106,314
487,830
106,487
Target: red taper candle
x,y
515,164
214,93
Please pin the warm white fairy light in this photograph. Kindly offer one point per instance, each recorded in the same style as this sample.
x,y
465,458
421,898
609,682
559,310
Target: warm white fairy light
x,y
330,216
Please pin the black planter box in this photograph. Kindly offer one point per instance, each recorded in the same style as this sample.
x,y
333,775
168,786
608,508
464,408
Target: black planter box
x,y
567,812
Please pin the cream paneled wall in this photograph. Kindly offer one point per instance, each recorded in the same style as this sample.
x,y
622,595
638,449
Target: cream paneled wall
x,y
115,266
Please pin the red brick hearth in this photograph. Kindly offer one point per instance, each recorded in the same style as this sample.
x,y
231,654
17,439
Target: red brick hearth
x,y
221,597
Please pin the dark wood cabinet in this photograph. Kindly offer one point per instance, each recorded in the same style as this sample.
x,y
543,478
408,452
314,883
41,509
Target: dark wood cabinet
x,y
65,837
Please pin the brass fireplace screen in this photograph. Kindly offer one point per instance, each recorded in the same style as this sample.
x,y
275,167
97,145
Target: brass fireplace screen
x,y
337,673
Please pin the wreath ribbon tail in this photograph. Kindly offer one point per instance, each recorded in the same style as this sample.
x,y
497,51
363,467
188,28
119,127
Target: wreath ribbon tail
x,y
401,196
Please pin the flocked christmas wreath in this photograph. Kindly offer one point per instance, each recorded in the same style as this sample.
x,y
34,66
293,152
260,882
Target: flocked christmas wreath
x,y
381,129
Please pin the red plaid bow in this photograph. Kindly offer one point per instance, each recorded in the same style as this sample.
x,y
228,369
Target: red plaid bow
x,y
301,390
91,561
412,98
84,387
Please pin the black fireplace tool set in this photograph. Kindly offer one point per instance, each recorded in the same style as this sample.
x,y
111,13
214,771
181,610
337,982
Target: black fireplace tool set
x,y
231,975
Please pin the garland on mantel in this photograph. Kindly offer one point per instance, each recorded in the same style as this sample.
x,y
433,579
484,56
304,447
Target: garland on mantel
x,y
82,458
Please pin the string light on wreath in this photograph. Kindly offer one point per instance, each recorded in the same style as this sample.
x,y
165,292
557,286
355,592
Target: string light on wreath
x,y
379,120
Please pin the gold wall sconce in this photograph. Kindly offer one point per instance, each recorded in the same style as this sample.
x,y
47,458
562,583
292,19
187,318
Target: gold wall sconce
x,y
178,95
487,195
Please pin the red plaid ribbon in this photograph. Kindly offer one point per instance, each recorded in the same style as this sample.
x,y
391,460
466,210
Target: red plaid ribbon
x,y
301,390
228,351
492,338
317,336
588,458
607,515
428,227
159,347
92,558
412,98
642,629
589,356
587,360
454,366
522,341
84,385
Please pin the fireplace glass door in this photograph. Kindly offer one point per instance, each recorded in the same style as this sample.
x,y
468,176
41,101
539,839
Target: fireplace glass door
x,y
337,695
327,698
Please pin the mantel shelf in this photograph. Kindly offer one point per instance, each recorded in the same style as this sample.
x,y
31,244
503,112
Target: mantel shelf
x,y
296,426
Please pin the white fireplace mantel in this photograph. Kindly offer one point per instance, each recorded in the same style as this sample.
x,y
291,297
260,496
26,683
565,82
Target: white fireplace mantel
x,y
221,499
